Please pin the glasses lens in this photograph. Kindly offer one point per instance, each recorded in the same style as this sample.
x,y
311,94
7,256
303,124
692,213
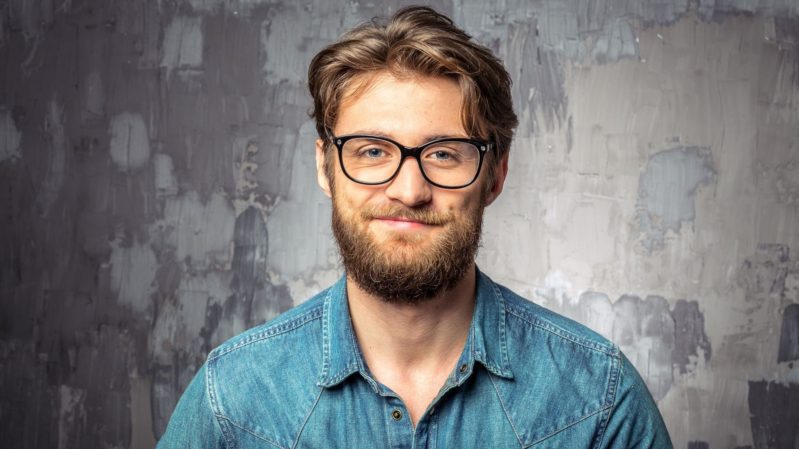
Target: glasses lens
x,y
451,163
370,160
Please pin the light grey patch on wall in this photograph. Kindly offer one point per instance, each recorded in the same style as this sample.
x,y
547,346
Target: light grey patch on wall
x,y
71,413
200,232
645,332
130,143
789,335
689,335
56,164
667,192
10,137
183,45
617,41
133,269
596,311
166,184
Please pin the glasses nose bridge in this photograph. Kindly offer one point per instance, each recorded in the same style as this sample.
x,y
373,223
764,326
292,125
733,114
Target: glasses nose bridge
x,y
412,152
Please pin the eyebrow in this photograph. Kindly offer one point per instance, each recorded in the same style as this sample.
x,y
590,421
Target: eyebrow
x,y
427,138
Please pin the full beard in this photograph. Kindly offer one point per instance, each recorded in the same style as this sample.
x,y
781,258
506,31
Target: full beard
x,y
402,269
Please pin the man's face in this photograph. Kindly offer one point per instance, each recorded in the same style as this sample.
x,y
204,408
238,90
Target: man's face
x,y
405,240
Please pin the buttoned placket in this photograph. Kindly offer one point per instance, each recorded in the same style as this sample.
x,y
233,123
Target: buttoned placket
x,y
348,360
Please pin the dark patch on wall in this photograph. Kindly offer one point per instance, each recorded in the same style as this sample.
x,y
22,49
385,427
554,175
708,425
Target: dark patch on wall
x,y
789,336
787,35
689,334
774,410
698,445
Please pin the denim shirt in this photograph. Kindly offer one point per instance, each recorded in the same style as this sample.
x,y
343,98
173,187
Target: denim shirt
x,y
527,377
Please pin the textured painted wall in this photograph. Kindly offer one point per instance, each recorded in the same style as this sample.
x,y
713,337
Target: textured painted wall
x,y
158,196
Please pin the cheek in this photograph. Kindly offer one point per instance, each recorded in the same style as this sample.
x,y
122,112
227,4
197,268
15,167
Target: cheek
x,y
351,197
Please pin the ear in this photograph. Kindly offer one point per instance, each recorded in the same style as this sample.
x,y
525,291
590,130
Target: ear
x,y
321,174
500,173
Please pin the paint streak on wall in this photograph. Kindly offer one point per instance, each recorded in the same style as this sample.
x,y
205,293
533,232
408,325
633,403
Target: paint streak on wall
x,y
53,180
199,232
132,266
130,143
10,137
183,45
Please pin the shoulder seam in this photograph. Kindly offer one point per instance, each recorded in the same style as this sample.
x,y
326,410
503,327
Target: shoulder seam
x,y
560,332
270,331
613,382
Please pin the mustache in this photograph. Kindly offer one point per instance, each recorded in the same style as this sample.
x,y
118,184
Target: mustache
x,y
425,216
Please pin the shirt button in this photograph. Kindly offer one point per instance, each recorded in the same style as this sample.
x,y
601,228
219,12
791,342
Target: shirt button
x,y
463,369
396,414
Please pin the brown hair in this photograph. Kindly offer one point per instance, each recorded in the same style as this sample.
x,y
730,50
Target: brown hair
x,y
416,40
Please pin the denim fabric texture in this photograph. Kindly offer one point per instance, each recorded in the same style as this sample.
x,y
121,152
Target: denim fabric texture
x,y
527,377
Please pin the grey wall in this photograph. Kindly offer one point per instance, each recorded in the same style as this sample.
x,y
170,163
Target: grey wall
x,y
157,196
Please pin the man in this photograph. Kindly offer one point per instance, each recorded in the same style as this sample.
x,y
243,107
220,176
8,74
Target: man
x,y
414,347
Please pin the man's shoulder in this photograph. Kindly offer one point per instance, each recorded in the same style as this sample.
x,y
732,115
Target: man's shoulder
x,y
539,321
296,322
564,374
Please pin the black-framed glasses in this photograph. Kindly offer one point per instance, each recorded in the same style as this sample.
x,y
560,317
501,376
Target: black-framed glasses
x,y
450,163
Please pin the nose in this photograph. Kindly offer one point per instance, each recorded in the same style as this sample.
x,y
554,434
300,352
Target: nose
x,y
409,186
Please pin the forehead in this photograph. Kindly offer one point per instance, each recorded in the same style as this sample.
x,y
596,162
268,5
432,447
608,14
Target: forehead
x,y
400,106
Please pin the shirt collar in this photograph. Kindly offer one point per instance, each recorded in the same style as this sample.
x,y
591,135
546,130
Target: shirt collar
x,y
487,341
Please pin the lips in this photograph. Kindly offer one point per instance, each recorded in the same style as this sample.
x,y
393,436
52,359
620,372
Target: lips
x,y
408,216
403,220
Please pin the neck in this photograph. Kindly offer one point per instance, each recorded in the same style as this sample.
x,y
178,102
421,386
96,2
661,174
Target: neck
x,y
407,337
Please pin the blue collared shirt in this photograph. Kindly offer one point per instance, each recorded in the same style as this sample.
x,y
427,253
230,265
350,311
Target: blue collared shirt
x,y
527,377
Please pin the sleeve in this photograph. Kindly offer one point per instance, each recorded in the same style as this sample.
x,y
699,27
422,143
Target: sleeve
x,y
634,420
193,424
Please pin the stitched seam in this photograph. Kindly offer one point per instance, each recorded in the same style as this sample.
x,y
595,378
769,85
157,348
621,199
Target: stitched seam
x,y
244,429
551,328
270,332
546,437
307,417
613,382
325,337
210,391
503,341
505,410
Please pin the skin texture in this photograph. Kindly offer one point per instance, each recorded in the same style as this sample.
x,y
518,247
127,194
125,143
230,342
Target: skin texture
x,y
409,346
